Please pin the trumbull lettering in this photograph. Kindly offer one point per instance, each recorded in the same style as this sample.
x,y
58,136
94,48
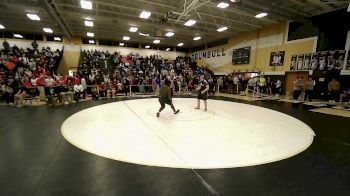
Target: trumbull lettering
x,y
209,54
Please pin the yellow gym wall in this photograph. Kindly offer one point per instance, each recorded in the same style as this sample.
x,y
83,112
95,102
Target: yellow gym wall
x,y
263,42
70,59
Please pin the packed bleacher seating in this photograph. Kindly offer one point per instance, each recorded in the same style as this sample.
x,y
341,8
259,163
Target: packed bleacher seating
x,y
114,72
23,71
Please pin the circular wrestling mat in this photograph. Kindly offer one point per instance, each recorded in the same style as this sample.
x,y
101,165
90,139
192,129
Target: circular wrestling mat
x,y
228,135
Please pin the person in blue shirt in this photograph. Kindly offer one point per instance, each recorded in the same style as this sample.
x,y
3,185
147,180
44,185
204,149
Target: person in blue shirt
x,y
202,90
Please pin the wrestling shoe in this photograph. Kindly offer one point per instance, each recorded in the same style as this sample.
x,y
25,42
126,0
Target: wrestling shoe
x,y
197,108
205,109
177,111
158,114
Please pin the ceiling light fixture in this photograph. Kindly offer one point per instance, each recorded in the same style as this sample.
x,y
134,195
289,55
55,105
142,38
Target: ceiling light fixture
x,y
157,41
144,34
197,38
121,44
133,29
223,5
33,17
86,4
222,29
89,23
57,39
90,34
145,14
263,14
47,30
233,1
18,35
180,44
170,34
148,46
2,27
190,23
91,41
126,38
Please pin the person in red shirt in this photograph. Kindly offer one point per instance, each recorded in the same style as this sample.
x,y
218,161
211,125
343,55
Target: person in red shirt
x,y
76,80
40,82
27,83
102,89
10,65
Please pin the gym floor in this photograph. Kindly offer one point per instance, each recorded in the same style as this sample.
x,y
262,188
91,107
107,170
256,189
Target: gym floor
x,y
37,160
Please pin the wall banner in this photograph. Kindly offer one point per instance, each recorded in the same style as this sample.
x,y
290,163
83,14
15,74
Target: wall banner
x,y
277,58
209,54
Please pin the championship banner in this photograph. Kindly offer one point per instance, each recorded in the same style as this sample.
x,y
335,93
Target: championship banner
x,y
293,62
322,60
314,61
339,59
277,58
307,61
300,61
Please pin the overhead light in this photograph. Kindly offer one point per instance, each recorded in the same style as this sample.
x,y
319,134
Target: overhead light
x,y
121,44
148,46
126,38
91,41
223,5
90,34
197,38
261,15
2,27
47,30
145,14
168,49
86,4
133,29
170,34
222,29
233,1
190,23
157,41
144,34
18,35
57,39
33,17
180,44
89,23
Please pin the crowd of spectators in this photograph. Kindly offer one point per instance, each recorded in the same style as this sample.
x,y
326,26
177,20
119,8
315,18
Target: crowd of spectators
x,y
117,73
24,72
32,73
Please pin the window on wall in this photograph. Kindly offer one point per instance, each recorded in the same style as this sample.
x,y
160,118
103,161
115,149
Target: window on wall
x,y
299,30
27,36
107,42
180,49
165,48
89,41
54,38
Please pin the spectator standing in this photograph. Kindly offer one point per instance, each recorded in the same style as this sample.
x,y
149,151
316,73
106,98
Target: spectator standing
x,y
298,86
309,88
40,82
278,87
83,83
333,88
78,90
262,84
